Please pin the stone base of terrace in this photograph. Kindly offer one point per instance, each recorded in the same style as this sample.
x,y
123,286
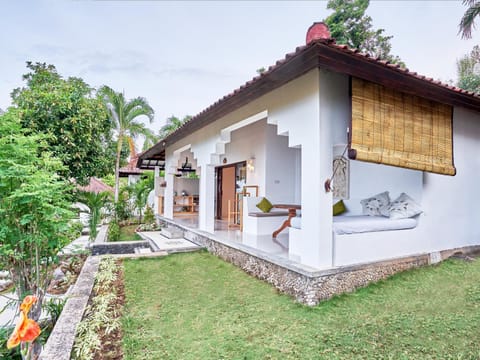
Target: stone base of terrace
x,y
267,259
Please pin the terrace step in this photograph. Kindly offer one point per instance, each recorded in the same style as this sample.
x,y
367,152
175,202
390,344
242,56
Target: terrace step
x,y
172,233
143,250
159,243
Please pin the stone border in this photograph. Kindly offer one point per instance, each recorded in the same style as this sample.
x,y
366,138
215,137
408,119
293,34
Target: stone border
x,y
60,342
119,247
309,287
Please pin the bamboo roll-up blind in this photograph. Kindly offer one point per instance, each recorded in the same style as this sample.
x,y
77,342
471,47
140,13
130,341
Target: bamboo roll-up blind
x,y
393,128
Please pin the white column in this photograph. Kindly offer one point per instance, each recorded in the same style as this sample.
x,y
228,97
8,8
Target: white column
x,y
206,211
170,169
315,245
156,175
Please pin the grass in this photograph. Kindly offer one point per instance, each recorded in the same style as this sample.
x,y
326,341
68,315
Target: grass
x,y
196,306
127,233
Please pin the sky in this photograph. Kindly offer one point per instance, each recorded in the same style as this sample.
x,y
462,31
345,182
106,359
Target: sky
x,y
182,56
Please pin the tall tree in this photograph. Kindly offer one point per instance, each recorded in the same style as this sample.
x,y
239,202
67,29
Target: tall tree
x,y
75,120
124,115
349,25
468,71
467,23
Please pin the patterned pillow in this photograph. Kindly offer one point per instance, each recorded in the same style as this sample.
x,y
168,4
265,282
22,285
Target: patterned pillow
x,y
372,205
403,207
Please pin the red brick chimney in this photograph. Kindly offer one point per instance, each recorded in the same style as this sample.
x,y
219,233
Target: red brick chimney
x,y
317,31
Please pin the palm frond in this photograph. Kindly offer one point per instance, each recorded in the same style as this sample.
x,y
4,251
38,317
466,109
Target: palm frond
x,y
139,103
135,112
469,2
136,129
467,23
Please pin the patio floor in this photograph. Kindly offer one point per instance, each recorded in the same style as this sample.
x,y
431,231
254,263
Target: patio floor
x,y
263,246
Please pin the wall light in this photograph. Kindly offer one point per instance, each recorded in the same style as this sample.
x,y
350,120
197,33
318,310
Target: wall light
x,y
251,164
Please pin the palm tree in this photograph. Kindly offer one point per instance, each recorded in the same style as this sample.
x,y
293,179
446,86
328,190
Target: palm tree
x,y
95,202
173,123
467,24
123,115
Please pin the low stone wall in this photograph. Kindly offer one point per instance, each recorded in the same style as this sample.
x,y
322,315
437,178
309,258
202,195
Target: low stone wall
x,y
120,247
60,342
309,289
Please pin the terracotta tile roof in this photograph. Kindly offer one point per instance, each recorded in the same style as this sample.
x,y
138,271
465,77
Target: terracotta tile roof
x,y
131,167
347,50
396,67
322,53
97,186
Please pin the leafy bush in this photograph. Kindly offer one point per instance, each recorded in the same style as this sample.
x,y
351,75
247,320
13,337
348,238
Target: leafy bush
x,y
149,217
74,230
113,231
54,308
122,209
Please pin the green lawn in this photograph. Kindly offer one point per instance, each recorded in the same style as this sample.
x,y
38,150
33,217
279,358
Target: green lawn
x,y
127,233
195,306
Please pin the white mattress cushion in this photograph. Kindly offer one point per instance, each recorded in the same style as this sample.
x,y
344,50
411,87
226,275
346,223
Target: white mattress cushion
x,y
364,223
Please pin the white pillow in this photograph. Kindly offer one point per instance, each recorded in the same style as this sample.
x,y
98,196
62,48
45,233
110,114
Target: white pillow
x,y
372,205
403,207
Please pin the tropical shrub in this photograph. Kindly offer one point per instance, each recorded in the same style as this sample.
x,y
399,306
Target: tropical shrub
x,y
34,209
113,231
149,217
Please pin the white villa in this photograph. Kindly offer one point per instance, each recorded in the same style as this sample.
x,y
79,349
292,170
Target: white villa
x,y
327,114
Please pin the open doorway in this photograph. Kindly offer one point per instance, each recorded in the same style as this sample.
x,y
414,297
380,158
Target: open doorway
x,y
230,181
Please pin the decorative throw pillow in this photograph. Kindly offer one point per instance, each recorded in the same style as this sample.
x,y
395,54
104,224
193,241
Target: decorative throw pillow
x,y
372,205
403,207
339,208
265,205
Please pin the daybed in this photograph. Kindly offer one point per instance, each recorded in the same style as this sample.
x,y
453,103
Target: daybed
x,y
362,238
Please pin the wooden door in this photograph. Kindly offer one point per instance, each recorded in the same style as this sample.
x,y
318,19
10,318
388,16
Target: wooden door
x,y
227,188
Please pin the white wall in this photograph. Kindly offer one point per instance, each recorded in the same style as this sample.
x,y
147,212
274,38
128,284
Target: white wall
x,y
368,179
245,143
282,173
451,202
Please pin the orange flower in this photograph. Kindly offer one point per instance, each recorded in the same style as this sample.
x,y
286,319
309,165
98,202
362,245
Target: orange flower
x,y
27,303
26,330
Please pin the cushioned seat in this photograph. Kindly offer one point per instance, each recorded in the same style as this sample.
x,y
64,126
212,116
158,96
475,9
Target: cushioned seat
x,y
269,214
364,223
